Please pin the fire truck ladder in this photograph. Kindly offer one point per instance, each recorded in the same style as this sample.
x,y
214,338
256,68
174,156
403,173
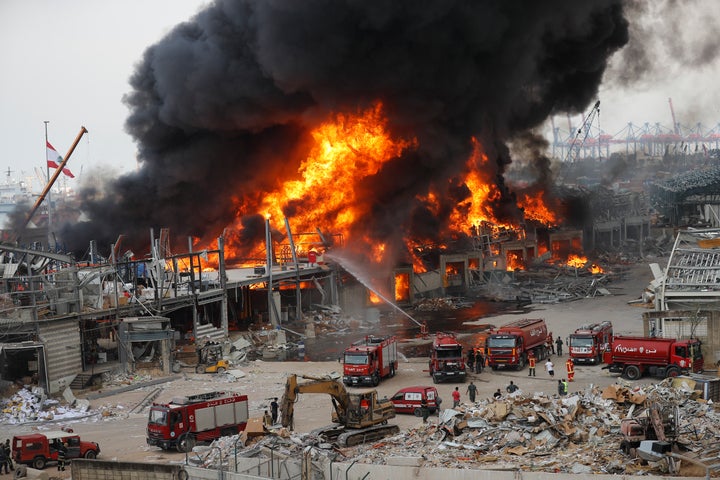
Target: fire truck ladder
x,y
202,397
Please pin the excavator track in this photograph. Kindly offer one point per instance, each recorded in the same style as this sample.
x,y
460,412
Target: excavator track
x,y
350,438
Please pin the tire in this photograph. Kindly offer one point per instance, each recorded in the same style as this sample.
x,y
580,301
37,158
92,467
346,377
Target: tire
x,y
39,463
185,443
375,380
632,372
417,412
435,379
200,369
220,370
672,372
91,454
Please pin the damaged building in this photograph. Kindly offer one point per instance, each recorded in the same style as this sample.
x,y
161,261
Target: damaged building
x,y
66,323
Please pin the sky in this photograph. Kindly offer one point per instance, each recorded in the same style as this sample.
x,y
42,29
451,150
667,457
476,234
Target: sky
x,y
68,63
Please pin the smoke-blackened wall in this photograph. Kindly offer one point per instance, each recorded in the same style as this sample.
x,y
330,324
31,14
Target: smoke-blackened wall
x,y
222,106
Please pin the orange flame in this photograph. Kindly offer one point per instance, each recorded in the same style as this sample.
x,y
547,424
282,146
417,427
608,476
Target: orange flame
x,y
324,194
576,261
535,209
514,261
402,287
596,269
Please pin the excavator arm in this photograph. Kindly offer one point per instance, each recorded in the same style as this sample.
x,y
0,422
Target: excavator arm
x,y
340,397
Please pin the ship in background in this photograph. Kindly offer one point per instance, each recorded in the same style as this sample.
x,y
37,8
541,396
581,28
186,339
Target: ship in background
x,y
13,192
23,191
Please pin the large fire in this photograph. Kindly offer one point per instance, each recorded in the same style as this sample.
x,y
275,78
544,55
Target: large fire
x,y
322,195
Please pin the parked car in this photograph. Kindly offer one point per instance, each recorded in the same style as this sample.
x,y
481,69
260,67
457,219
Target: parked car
x,y
409,400
39,449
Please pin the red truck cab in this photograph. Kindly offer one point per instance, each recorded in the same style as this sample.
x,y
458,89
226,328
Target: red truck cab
x,y
369,360
510,345
446,359
39,449
589,342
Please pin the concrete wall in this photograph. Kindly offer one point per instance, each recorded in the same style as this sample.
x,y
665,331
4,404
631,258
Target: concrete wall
x,y
404,468
63,350
107,470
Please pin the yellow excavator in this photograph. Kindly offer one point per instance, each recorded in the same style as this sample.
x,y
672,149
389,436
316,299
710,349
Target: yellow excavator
x,y
357,417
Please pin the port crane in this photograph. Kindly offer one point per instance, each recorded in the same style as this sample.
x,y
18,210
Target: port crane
x,y
582,134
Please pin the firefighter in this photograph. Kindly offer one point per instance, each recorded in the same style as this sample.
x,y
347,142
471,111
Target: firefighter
x,y
62,456
424,332
570,366
471,357
549,343
479,360
531,364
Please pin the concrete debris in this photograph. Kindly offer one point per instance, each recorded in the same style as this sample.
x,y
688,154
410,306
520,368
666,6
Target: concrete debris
x,y
443,303
578,434
26,406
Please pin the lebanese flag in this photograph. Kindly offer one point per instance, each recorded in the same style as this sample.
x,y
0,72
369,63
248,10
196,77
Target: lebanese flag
x,y
54,159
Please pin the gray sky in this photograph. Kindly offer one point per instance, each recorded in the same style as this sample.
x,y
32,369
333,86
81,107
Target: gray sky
x,y
68,62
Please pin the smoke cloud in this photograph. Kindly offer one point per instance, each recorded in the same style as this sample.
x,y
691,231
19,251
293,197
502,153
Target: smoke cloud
x,y
222,106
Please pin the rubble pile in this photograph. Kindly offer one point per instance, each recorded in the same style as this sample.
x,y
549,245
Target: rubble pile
x,y
579,434
442,303
28,406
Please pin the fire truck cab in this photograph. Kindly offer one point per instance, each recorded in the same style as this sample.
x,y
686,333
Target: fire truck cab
x,y
370,360
446,359
589,342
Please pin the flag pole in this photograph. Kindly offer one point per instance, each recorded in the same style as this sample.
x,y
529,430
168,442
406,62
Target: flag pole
x,y
47,178
42,196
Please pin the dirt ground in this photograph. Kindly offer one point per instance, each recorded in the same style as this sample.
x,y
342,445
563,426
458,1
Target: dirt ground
x,y
121,434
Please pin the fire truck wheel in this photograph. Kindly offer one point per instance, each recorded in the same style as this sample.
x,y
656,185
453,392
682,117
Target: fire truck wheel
x,y
435,379
417,412
632,372
672,372
186,443
375,380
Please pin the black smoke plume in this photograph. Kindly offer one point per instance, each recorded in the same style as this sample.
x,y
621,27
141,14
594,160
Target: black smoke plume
x,y
222,105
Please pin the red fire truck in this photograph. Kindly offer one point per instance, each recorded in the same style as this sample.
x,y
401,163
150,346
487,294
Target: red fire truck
x,y
370,360
446,359
198,418
659,357
589,342
509,345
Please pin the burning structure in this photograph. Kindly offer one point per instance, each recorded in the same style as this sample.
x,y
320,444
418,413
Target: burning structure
x,y
386,125
380,132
